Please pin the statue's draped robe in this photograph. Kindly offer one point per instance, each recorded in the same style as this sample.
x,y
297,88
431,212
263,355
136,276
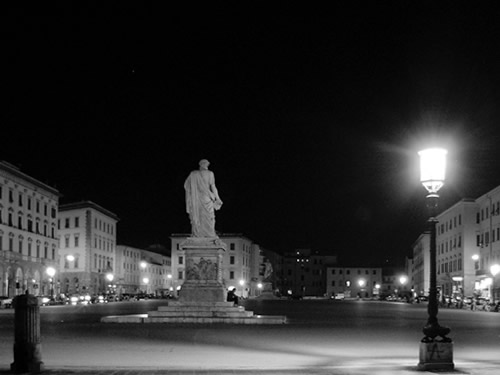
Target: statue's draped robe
x,y
200,205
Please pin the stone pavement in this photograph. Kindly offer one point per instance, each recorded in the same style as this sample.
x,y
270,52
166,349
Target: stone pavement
x,y
477,368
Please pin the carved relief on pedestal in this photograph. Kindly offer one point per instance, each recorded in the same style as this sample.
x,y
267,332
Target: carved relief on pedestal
x,y
205,269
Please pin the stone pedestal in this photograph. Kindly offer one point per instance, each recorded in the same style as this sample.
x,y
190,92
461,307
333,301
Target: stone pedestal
x,y
436,356
203,272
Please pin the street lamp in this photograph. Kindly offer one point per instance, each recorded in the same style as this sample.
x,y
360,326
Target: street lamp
x,y
242,284
403,280
51,271
494,269
475,258
432,176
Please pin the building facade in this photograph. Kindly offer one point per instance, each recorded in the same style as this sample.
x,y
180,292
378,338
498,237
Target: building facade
x,y
304,273
420,275
28,236
87,248
487,242
353,282
455,244
468,246
142,271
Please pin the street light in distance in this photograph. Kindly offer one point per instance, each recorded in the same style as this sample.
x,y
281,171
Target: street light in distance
x,y
51,271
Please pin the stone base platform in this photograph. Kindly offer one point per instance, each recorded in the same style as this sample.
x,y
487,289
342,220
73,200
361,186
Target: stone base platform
x,y
198,312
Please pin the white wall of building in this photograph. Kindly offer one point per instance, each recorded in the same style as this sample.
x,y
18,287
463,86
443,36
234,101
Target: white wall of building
x,y
28,233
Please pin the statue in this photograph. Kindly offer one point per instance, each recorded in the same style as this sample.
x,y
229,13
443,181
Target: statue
x,y
268,270
202,199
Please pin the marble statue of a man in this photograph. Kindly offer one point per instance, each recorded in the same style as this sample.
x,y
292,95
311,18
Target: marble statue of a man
x,y
202,199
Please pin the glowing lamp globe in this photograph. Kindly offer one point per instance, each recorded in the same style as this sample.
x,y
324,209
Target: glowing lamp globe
x,y
495,269
432,168
51,271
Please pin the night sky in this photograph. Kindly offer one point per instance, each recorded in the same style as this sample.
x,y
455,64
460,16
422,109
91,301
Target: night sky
x,y
311,118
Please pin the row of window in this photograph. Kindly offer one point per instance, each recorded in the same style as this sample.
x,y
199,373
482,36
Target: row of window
x,y
67,225
348,272
450,224
102,263
103,244
103,226
27,224
449,245
485,212
483,239
136,279
314,271
27,248
23,199
67,237
75,262
347,283
98,224
449,266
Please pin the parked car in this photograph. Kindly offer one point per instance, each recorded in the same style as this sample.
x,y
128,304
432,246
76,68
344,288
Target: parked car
x,y
45,300
338,296
124,297
5,302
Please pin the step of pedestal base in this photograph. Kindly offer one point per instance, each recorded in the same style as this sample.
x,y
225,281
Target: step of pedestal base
x,y
198,312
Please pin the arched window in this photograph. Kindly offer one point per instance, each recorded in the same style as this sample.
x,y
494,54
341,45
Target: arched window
x,y
20,220
20,242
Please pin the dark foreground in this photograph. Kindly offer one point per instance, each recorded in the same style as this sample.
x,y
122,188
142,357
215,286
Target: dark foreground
x,y
322,337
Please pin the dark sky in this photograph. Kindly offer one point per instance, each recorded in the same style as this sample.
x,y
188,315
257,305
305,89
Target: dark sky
x,y
311,118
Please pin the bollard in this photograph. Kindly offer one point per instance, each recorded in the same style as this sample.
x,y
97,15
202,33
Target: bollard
x,y
27,347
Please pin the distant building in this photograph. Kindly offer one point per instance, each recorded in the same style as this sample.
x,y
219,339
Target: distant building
x,y
421,266
395,282
456,243
142,271
304,272
486,246
353,282
28,237
87,235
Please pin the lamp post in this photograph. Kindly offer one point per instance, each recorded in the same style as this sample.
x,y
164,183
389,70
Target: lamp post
x,y
494,269
169,277
432,175
51,271
110,278
403,280
242,284
145,280
475,258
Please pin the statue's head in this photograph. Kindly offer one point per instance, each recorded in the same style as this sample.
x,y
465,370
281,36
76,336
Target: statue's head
x,y
204,163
